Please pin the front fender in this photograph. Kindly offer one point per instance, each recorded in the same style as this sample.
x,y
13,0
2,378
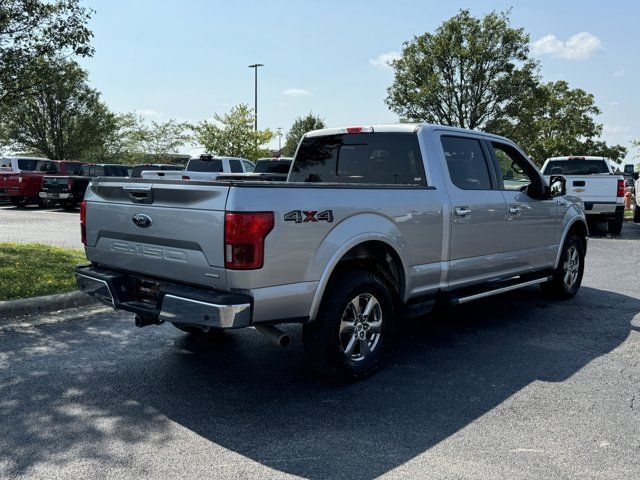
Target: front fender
x,y
343,237
573,215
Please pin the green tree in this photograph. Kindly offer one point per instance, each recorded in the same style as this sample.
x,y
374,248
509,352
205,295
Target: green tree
x,y
466,74
232,134
556,120
160,140
119,143
301,125
32,30
61,118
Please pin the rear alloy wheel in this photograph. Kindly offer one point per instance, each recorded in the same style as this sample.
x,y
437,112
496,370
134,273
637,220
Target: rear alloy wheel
x,y
567,278
353,327
20,202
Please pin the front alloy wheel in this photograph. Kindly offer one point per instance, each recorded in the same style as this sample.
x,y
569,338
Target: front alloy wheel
x,y
571,267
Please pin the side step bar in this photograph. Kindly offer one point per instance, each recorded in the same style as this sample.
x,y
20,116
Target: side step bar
x,y
497,291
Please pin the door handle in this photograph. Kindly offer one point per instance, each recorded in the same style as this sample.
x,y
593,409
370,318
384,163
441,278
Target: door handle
x,y
462,212
515,211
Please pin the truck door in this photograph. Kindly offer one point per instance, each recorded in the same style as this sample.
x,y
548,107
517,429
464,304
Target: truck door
x,y
477,216
531,215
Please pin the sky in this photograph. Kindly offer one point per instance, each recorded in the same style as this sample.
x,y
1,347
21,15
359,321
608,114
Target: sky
x,y
188,59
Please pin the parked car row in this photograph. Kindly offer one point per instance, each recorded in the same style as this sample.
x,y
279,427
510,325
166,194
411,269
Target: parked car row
x,y
28,180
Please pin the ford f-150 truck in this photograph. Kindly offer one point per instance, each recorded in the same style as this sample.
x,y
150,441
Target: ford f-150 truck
x,y
373,224
593,180
69,190
23,184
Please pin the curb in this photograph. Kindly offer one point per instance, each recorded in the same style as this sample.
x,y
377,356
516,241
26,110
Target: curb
x,y
47,303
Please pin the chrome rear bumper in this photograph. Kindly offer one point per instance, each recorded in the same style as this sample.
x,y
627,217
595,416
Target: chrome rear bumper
x,y
175,303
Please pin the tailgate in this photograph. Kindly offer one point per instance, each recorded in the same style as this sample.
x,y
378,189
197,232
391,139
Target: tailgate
x,y
593,188
169,230
55,184
9,181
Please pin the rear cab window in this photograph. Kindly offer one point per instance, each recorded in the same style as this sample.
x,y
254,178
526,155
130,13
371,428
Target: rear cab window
x,y
366,158
576,167
197,165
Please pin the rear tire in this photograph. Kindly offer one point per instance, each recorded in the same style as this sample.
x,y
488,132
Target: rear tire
x,y
45,203
353,327
636,214
615,225
567,278
19,202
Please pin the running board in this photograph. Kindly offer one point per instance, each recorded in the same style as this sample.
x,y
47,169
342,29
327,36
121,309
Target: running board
x,y
497,291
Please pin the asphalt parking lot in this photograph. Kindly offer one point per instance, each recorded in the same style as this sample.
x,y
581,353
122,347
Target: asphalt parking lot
x,y
53,226
509,387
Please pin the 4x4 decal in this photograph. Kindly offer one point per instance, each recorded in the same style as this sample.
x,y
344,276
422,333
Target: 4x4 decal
x,y
302,216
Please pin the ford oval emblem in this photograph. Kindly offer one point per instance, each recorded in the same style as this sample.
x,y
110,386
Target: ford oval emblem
x,y
141,220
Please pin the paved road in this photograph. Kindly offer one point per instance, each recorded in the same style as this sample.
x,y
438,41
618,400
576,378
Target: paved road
x,y
33,224
509,387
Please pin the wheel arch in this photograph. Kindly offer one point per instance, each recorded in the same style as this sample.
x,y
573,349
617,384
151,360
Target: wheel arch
x,y
577,225
370,252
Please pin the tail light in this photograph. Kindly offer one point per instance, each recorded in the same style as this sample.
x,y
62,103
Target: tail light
x,y
83,222
186,177
620,188
70,183
244,234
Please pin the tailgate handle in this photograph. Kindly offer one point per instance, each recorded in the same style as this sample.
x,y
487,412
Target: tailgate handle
x,y
578,183
139,193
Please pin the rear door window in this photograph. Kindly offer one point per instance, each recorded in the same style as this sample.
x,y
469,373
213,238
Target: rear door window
x,y
466,162
373,158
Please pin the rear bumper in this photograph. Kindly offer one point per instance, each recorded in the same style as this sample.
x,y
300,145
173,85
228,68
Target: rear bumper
x,y
603,210
173,303
55,195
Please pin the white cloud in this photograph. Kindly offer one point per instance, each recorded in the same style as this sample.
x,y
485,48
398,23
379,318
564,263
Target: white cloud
x,y
384,60
296,92
619,73
148,112
580,46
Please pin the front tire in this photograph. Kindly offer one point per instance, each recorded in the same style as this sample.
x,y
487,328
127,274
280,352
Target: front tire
x,y
353,327
567,278
19,202
615,225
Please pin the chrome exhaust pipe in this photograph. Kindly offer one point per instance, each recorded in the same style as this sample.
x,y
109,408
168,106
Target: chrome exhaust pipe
x,y
274,334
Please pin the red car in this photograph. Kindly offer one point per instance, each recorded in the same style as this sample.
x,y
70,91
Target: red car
x,y
21,178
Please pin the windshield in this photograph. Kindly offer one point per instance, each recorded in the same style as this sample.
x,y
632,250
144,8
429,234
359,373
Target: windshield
x,y
575,167
214,165
272,166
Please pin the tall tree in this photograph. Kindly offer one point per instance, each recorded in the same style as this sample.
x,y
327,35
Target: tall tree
x,y
232,134
161,139
301,125
556,120
466,74
61,118
32,30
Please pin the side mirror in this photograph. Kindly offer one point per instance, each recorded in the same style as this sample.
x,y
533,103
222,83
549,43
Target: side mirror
x,y
557,186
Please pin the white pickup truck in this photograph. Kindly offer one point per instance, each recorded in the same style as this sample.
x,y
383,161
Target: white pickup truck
x,y
592,179
204,168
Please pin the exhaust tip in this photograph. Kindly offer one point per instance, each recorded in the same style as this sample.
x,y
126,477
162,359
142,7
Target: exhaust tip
x,y
274,334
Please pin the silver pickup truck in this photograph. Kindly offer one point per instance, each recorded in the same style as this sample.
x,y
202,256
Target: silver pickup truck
x,y
374,224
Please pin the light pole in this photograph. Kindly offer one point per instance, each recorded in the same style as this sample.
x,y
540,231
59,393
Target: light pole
x,y
255,108
279,141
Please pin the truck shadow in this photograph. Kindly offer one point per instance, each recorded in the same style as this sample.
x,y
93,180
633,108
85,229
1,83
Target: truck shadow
x,y
447,370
